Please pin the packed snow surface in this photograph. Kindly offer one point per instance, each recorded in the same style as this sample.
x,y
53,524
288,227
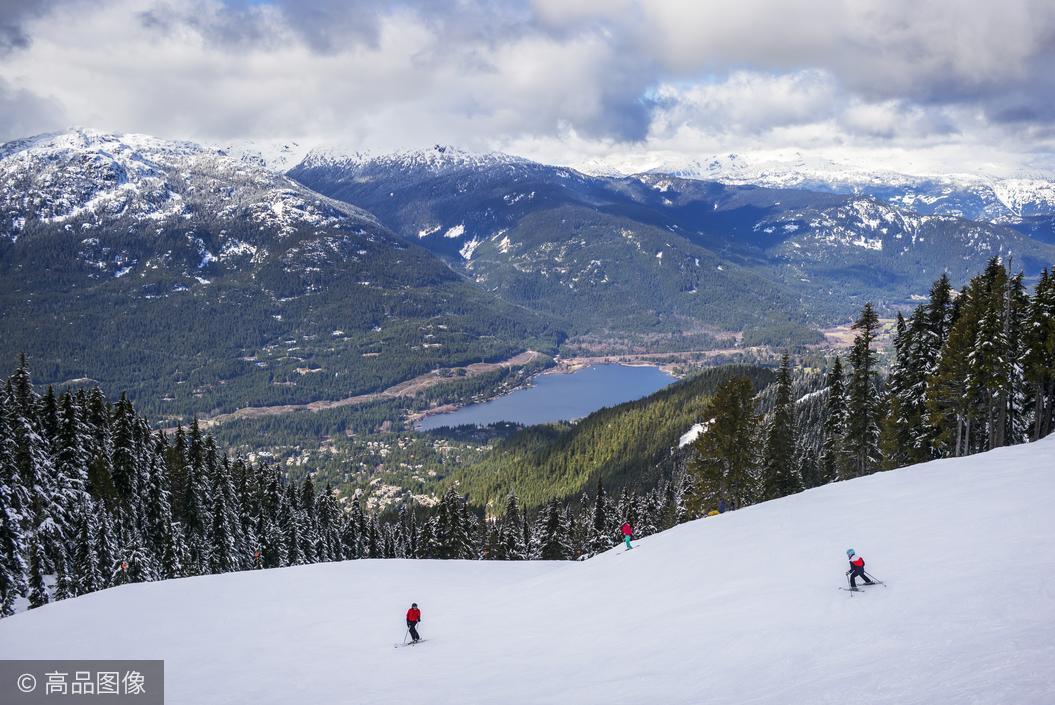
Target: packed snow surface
x,y
738,608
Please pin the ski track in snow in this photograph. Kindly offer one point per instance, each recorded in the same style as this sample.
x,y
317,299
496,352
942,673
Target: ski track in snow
x,y
734,609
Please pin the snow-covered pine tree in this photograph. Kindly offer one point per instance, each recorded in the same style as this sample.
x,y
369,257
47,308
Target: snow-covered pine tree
x,y
124,467
553,532
374,543
863,401
603,529
13,544
896,440
71,463
1038,356
64,587
86,577
470,547
648,507
408,521
38,588
134,563
510,532
451,536
197,517
100,448
223,542
352,536
949,407
989,361
328,512
21,391
779,469
1017,412
834,428
310,529
107,546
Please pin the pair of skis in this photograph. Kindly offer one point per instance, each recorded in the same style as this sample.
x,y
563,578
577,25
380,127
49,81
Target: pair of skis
x,y
408,643
852,590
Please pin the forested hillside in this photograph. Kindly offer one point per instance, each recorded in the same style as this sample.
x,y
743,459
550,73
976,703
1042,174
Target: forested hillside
x,y
629,445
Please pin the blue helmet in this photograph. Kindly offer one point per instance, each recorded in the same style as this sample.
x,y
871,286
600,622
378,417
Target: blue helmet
x,y
849,552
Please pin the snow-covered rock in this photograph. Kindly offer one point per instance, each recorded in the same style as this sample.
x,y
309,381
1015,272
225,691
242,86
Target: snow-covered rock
x,y
744,607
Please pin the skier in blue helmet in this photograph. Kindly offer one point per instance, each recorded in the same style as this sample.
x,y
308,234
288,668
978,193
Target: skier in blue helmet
x,y
857,569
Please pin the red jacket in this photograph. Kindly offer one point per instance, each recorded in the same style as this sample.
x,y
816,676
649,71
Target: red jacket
x,y
413,615
857,562
627,531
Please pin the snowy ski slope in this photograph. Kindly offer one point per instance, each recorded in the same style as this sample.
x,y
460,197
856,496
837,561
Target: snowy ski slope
x,y
739,608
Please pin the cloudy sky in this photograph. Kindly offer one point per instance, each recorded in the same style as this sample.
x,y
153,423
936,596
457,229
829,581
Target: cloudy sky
x,y
941,85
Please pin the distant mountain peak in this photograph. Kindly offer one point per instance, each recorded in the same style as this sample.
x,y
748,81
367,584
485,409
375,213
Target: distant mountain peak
x,y
437,159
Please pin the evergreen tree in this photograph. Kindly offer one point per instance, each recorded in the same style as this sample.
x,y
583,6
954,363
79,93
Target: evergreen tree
x,y
863,402
197,519
779,468
13,546
602,535
222,550
71,463
949,405
134,563
510,533
900,420
989,362
64,587
86,576
38,589
834,428
554,539
725,461
1038,357
450,534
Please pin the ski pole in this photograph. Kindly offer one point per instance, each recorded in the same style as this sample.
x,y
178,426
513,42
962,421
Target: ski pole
x,y
874,578
405,636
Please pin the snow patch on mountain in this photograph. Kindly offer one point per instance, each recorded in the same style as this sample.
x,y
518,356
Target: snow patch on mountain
x,y
469,248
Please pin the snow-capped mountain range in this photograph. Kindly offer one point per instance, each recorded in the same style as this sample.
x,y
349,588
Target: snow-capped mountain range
x,y
973,196
434,160
86,179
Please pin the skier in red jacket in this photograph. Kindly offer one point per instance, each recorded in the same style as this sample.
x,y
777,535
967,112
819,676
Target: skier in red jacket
x,y
413,618
857,569
627,533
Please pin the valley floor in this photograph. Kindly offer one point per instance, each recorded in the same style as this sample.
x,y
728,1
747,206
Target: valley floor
x,y
744,608
408,388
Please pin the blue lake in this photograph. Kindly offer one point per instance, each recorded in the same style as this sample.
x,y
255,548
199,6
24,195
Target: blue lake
x,y
560,397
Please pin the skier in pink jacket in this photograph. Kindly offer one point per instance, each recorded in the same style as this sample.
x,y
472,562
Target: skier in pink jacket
x,y
628,532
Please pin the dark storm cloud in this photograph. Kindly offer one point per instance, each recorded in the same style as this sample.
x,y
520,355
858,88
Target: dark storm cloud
x,y
13,15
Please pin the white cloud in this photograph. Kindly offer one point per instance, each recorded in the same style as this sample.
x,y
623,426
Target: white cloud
x,y
940,82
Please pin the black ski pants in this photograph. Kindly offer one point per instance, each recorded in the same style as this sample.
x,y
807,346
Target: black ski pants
x,y
856,573
413,627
